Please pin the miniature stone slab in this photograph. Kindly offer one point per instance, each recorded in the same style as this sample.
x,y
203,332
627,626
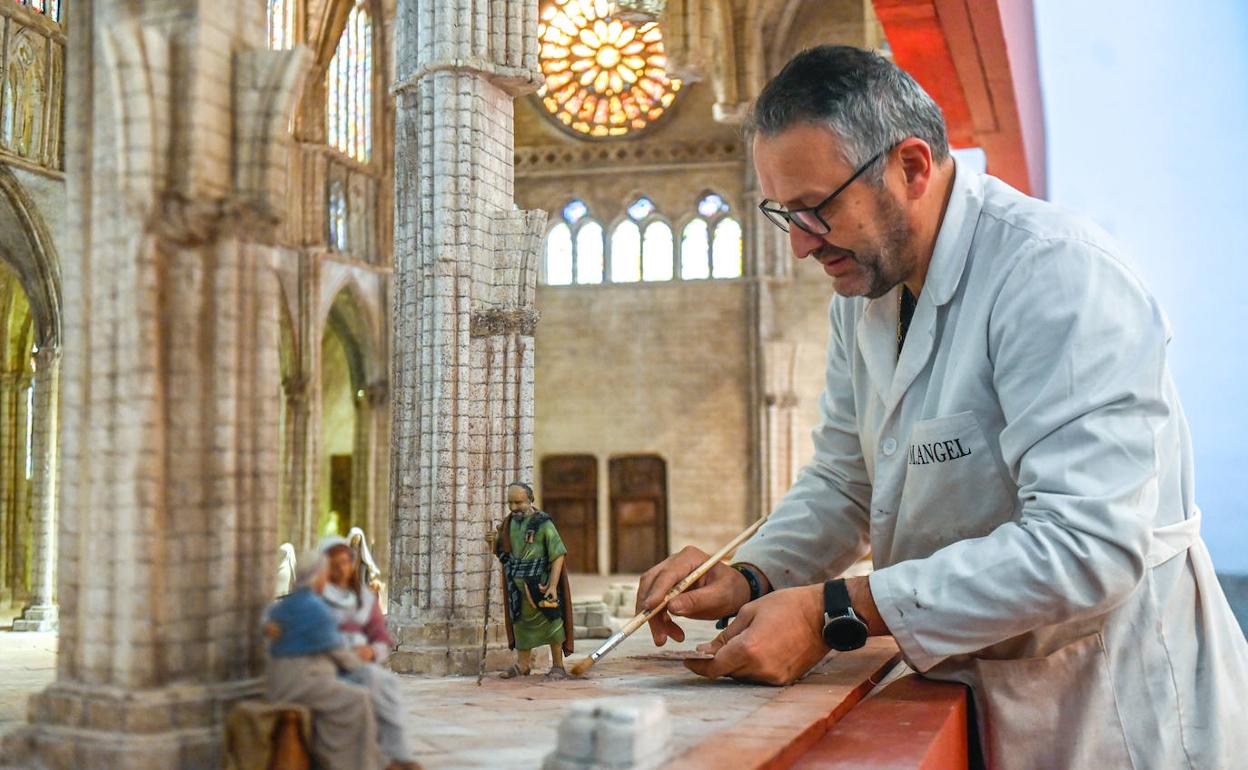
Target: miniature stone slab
x,y
628,733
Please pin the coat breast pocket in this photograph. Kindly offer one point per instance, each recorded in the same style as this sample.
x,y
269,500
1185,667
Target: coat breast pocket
x,y
954,488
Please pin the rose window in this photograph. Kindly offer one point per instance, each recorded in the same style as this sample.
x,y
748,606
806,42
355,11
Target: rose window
x,y
604,77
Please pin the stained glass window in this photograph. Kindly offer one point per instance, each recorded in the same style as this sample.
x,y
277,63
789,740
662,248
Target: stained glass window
x,y
603,76
281,24
710,245
349,86
49,8
641,208
574,211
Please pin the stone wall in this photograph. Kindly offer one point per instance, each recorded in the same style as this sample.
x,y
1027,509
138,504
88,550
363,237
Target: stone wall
x,y
651,369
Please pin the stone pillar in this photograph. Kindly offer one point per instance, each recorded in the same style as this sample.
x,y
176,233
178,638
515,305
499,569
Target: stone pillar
x,y
376,410
465,277
12,558
177,126
40,611
295,499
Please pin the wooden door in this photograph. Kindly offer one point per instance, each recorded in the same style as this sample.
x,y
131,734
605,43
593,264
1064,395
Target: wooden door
x,y
340,490
638,513
570,496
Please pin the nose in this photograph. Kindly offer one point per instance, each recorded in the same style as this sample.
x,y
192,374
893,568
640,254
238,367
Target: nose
x,y
803,242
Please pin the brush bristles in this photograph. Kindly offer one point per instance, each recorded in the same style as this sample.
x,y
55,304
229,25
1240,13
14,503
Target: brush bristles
x,y
581,666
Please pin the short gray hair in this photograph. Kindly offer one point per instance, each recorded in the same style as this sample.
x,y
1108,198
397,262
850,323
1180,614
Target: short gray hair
x,y
870,104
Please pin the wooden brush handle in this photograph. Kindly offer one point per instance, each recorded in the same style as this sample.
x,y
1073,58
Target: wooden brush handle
x,y
640,619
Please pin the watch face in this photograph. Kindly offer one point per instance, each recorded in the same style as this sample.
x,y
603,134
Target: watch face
x,y
844,633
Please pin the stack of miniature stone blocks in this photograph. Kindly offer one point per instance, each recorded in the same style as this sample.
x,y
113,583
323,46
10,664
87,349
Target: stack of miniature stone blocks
x,y
621,599
591,620
612,734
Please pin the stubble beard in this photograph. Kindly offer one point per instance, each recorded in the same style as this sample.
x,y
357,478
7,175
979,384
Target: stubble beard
x,y
892,258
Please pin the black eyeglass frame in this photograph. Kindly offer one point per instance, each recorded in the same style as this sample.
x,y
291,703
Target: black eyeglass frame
x,y
780,217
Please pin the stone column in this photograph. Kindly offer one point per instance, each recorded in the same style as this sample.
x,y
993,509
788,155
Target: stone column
x,y
377,411
465,276
12,561
295,462
40,611
177,125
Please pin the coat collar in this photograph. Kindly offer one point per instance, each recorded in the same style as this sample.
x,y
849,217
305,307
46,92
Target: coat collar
x,y
877,328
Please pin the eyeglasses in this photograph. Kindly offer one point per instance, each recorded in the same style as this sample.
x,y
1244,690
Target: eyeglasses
x,y
808,218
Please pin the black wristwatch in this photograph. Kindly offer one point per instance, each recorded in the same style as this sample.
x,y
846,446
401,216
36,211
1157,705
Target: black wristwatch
x,y
756,590
843,630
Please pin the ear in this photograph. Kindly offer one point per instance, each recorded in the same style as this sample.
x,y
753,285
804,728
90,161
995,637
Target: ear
x,y
915,158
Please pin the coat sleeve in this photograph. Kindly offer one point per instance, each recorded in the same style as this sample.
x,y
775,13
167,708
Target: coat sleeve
x,y
376,632
820,527
1077,349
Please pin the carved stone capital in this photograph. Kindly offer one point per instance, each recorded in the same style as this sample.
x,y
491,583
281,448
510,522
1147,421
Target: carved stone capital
x,y
493,322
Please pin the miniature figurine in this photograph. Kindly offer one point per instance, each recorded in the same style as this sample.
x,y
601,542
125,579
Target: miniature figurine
x,y
538,596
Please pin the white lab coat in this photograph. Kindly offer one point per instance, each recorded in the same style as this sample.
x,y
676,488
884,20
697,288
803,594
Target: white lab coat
x,y
1023,477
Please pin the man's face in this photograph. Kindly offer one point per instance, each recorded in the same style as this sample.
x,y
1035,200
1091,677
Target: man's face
x,y
868,250
341,566
518,502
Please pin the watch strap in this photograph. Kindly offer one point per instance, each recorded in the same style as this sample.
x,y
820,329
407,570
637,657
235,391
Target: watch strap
x,y
836,598
756,586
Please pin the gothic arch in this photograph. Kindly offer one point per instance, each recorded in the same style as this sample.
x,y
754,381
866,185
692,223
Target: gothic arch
x,y
26,246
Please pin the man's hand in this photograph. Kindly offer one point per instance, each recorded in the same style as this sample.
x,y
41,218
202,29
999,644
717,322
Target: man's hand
x,y
365,653
720,592
773,640
272,630
548,592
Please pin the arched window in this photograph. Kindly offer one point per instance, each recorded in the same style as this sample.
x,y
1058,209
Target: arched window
x,y
349,87
710,245
641,246
574,248
281,24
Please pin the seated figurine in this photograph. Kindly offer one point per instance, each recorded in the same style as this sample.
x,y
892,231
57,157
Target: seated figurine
x,y
306,657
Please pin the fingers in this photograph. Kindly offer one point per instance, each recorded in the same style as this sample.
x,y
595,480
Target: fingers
x,y
663,577
654,585
731,659
704,602
662,627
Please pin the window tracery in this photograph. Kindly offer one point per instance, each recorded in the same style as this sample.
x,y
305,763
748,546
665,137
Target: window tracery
x,y
575,251
710,244
349,89
604,77
642,246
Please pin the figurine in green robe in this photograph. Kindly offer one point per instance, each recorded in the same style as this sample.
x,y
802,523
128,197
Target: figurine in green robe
x,y
538,596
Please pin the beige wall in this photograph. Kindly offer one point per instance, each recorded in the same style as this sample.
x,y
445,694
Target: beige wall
x,y
651,369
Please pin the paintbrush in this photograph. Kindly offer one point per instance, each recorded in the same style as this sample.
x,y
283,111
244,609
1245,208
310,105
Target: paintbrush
x,y
639,620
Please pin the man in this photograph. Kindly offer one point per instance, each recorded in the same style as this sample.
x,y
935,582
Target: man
x,y
538,595
1000,427
357,612
306,655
